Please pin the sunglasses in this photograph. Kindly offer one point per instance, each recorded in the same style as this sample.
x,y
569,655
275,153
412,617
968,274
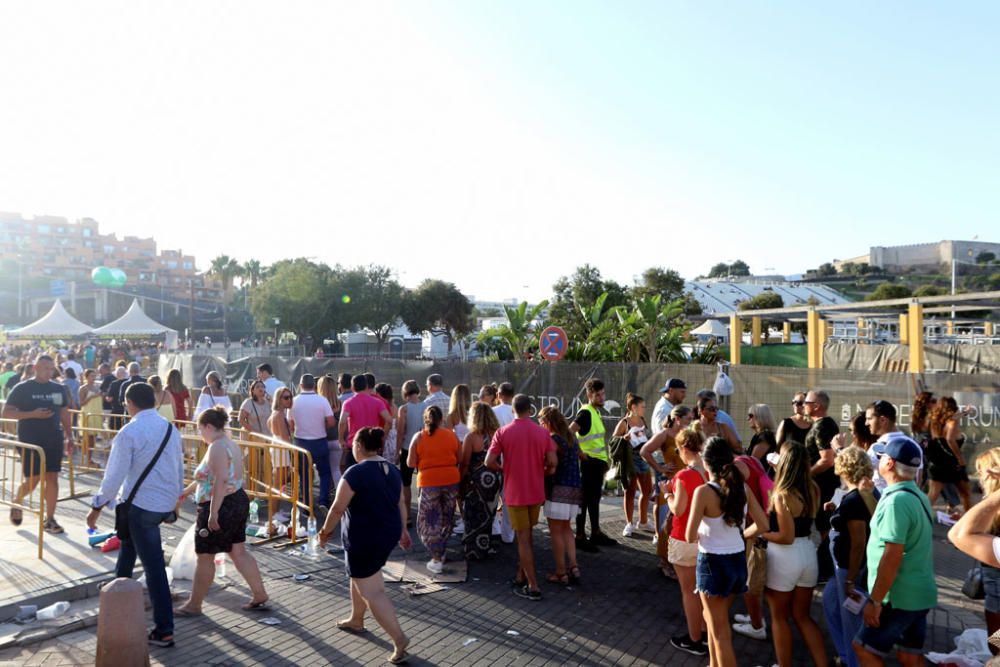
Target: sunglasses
x,y
798,404
286,397
750,416
710,409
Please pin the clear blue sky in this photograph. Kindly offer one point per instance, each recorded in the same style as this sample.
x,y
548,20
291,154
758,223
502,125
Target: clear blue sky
x,y
427,136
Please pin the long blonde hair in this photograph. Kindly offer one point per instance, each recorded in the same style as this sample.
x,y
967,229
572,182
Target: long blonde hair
x,y
990,459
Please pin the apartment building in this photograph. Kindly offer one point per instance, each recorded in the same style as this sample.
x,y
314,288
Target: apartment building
x,y
50,247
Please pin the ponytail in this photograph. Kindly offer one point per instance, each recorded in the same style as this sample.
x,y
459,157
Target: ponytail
x,y
733,492
718,458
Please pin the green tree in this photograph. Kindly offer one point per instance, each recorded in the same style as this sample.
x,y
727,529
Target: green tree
x,y
439,308
253,271
519,334
929,290
581,290
985,257
651,330
720,270
826,269
669,285
376,299
298,295
737,269
225,268
889,291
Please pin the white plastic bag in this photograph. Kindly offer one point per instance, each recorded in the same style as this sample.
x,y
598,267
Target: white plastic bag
x,y
184,559
723,383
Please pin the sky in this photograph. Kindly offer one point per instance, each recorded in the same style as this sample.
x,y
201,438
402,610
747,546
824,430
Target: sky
x,y
500,145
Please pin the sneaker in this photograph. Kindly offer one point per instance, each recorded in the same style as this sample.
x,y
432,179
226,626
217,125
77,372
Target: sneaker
x,y
435,566
52,527
602,540
527,593
459,528
656,539
648,527
741,618
158,639
586,546
685,643
628,529
747,630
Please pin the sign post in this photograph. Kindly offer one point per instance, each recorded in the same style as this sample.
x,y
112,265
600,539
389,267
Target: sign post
x,y
553,344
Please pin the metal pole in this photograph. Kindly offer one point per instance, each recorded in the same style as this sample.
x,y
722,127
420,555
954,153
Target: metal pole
x,y
20,295
953,264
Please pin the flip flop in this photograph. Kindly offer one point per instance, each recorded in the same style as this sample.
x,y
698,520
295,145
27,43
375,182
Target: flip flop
x,y
350,628
394,659
257,606
187,613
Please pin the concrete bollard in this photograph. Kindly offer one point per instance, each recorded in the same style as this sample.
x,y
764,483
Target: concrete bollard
x,y
121,625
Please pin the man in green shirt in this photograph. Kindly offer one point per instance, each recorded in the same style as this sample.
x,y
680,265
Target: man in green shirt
x,y
900,563
8,373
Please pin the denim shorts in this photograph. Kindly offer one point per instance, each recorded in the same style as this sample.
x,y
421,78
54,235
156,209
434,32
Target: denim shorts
x,y
991,585
721,574
899,628
641,467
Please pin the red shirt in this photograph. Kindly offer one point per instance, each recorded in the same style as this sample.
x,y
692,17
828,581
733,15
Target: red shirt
x,y
180,405
362,410
523,445
690,479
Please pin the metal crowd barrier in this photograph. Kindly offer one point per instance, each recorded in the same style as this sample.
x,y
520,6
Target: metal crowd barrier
x,y
14,458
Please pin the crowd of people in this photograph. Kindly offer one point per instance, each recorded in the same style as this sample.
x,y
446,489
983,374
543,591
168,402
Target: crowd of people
x,y
801,505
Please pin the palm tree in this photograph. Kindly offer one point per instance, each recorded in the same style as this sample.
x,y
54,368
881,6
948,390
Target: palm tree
x,y
519,334
652,328
253,270
225,268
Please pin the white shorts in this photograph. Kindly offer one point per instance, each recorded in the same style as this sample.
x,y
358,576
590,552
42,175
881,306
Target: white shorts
x,y
560,511
791,566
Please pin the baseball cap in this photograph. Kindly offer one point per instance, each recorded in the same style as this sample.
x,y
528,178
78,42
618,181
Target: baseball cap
x,y
903,450
673,383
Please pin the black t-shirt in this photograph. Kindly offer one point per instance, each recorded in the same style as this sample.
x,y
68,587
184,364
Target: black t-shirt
x,y
583,421
105,388
765,437
132,379
819,438
31,395
852,508
115,392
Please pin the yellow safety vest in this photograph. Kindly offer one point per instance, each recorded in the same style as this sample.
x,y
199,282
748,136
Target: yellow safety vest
x,y
592,444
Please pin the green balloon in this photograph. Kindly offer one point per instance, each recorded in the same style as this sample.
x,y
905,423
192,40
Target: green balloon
x,y
118,278
102,276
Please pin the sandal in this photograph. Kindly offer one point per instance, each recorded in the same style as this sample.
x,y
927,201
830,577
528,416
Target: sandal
x,y
186,613
574,576
398,658
347,627
257,606
556,578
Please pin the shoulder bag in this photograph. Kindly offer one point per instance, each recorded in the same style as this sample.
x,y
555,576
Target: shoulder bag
x,y
122,509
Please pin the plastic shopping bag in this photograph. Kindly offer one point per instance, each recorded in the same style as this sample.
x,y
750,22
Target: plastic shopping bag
x,y
184,559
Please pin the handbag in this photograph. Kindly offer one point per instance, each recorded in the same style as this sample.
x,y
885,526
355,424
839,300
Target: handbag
x,y
122,509
973,588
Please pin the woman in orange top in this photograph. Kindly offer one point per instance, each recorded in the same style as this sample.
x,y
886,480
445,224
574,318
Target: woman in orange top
x,y
434,454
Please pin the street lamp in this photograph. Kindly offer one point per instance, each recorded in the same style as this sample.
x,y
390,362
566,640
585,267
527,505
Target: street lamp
x,y
277,321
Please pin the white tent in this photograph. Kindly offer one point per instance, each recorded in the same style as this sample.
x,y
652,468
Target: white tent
x,y
57,323
711,328
137,323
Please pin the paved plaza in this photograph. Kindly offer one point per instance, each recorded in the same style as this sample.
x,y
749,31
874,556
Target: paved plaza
x,y
624,613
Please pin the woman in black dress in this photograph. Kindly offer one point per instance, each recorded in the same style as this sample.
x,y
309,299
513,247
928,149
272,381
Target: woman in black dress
x,y
369,498
797,426
944,452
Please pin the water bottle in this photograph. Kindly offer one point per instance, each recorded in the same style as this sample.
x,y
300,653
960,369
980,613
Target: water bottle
x,y
312,546
254,513
203,532
53,611
220,564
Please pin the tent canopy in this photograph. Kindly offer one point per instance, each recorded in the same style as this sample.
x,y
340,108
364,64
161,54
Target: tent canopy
x,y
133,323
711,328
55,323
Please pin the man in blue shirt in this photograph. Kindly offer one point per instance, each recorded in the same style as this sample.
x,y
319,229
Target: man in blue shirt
x,y
132,450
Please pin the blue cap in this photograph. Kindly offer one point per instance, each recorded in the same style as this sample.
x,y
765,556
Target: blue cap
x,y
903,450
